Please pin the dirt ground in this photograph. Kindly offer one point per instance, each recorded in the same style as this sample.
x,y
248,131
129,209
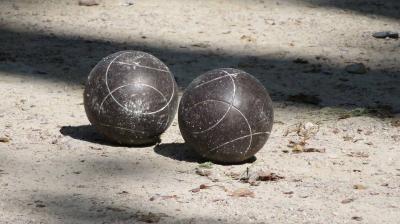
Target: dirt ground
x,y
335,140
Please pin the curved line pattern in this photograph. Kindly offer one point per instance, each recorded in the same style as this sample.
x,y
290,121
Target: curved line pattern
x,y
212,80
236,139
248,124
138,65
131,84
229,108
245,119
108,88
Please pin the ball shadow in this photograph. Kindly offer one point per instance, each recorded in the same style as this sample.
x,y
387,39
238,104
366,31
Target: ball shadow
x,y
179,151
88,133
183,152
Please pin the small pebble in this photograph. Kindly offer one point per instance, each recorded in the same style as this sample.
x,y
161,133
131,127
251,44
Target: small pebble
x,y
88,2
386,34
357,68
357,218
4,139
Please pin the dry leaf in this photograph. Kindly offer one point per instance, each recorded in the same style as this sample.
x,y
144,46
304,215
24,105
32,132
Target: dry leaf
x,y
395,123
314,150
268,176
233,175
242,192
163,197
204,186
297,148
206,165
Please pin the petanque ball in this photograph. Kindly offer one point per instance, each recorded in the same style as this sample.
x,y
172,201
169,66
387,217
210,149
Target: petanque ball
x,y
131,97
226,115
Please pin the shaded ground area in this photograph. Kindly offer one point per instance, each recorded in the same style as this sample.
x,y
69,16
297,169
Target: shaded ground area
x,y
310,80
387,8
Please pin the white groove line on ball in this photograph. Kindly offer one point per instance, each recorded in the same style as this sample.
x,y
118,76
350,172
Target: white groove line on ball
x,y
212,80
248,124
108,88
245,119
109,91
141,66
126,129
236,139
171,76
229,108
131,84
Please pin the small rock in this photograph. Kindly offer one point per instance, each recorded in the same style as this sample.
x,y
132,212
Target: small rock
x,y
127,2
357,68
386,34
358,154
201,45
201,187
39,204
254,178
247,38
268,176
359,187
88,3
4,139
115,209
203,172
396,138
269,21
300,61
348,200
357,218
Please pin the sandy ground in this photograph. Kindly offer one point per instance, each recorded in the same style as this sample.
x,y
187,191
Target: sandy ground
x,y
54,168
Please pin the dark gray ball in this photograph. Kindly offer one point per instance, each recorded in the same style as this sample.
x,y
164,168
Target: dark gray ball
x,y
131,97
226,115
